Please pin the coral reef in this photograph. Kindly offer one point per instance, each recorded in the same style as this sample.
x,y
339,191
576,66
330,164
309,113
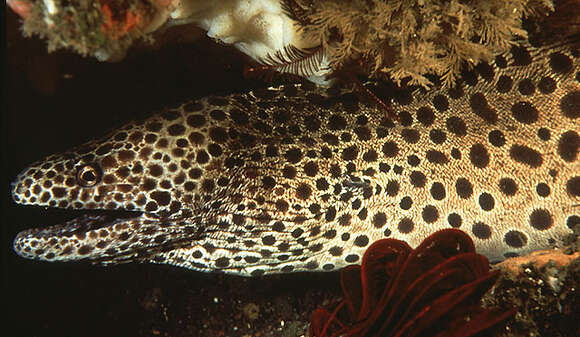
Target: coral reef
x,y
405,41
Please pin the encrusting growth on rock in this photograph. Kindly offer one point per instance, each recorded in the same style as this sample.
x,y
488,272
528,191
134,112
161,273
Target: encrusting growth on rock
x,y
98,28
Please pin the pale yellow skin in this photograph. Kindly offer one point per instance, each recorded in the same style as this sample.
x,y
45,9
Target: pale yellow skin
x,y
307,178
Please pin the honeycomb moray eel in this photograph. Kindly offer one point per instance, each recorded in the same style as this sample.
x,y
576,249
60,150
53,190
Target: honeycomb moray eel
x,y
299,178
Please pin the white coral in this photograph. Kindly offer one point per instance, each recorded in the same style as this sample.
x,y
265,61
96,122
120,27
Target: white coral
x,y
258,28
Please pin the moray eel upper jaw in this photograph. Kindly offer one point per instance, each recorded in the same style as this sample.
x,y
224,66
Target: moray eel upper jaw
x,y
80,179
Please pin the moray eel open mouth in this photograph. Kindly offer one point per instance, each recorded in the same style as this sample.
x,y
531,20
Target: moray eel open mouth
x,y
110,228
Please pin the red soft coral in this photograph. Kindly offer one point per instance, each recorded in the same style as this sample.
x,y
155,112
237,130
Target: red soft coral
x,y
434,290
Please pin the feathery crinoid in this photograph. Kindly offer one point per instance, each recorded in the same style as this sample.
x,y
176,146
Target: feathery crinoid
x,y
410,39
293,60
434,290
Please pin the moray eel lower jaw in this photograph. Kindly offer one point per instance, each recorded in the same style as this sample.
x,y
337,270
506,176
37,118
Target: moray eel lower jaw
x,y
63,242
102,238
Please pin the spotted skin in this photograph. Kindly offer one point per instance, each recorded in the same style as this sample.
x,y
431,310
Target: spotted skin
x,y
299,178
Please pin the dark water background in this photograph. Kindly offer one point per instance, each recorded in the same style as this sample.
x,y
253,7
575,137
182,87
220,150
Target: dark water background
x,y
53,102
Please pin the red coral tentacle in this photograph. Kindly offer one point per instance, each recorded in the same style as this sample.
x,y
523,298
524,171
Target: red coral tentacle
x,y
445,244
322,319
449,276
454,303
350,282
433,251
381,262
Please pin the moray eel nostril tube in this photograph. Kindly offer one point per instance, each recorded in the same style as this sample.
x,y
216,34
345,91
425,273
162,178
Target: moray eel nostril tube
x,y
299,178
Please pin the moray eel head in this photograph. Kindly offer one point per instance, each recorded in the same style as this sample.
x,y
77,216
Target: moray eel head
x,y
109,174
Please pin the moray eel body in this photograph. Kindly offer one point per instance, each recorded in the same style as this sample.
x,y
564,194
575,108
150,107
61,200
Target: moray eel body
x,y
300,178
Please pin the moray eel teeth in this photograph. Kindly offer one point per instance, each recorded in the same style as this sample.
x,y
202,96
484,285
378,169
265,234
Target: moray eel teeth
x,y
299,178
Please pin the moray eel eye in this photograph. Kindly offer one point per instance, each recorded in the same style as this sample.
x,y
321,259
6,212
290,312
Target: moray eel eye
x,y
88,175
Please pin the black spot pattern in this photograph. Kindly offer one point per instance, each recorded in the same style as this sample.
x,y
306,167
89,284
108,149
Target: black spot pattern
x,y
521,56
547,85
413,160
454,220
287,182
504,84
573,186
350,153
455,153
541,219
481,231
437,136
544,134
293,155
479,156
379,220
406,203
430,214
410,136
480,107
508,186
303,191
524,112
526,155
405,226
570,105
486,201
485,70
440,102
390,149
417,179
568,146
392,188
500,61
436,157
526,87
573,221
543,190
515,239
361,241
352,258
457,126
464,188
560,63
496,138
425,115
437,191
336,122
